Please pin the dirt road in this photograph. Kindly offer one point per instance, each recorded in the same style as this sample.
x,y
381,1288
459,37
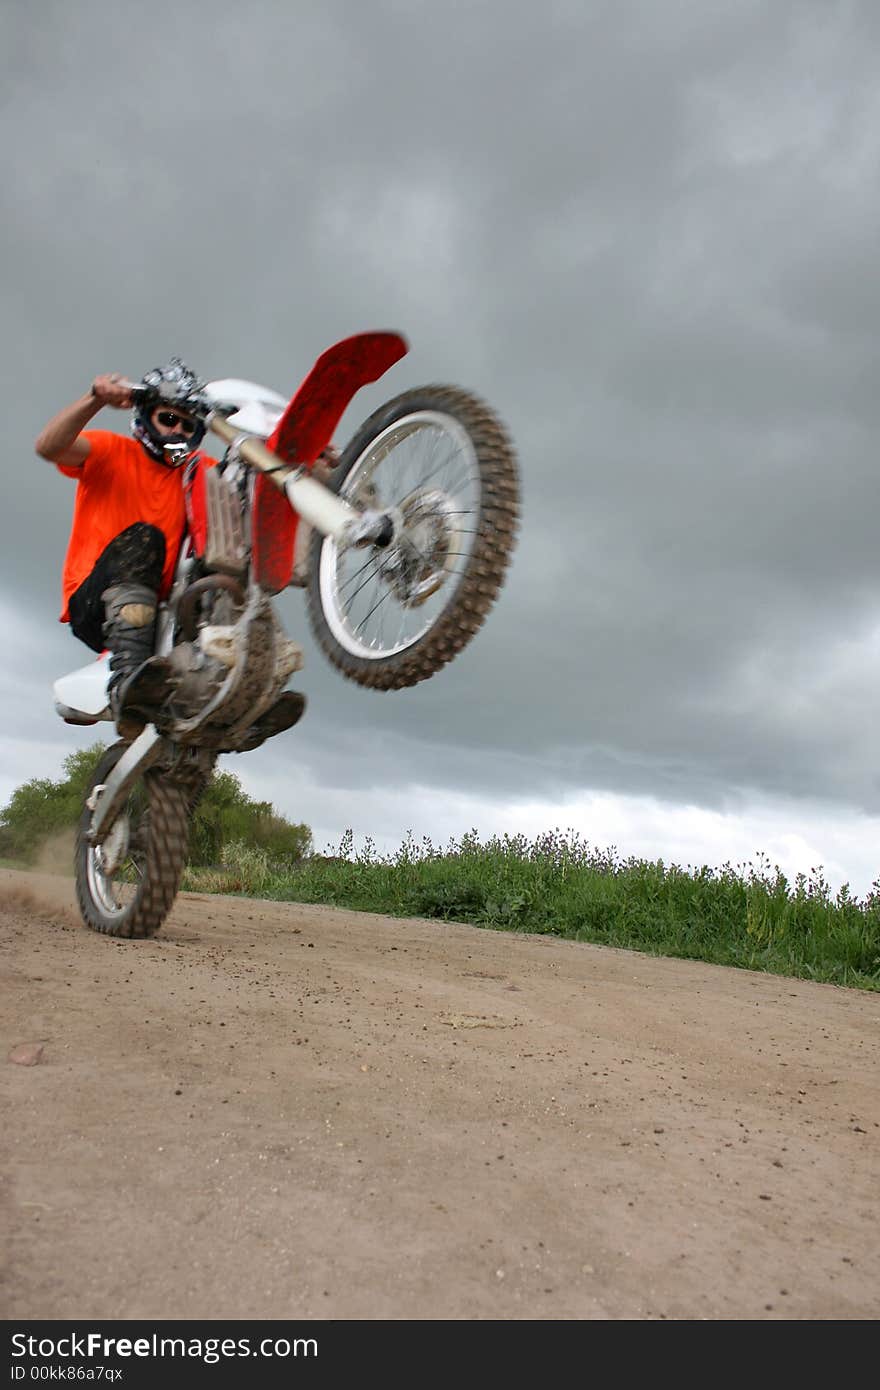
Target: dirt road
x,y
274,1111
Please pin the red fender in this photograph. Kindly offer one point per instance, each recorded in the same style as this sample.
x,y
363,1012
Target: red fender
x,y
305,428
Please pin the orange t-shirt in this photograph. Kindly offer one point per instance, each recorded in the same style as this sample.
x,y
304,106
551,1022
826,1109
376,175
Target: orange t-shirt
x,y
119,484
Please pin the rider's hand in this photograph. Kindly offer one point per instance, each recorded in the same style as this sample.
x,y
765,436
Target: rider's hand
x,y
112,390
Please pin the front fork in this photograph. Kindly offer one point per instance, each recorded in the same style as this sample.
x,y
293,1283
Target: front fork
x,y
108,799
149,748
316,504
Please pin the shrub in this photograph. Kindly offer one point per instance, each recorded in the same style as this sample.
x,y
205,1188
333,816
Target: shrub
x,y
41,809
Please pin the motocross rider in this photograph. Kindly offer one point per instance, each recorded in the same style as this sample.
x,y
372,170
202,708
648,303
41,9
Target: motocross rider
x,y
128,521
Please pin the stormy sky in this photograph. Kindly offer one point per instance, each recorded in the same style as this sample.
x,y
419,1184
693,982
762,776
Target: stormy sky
x,y
645,231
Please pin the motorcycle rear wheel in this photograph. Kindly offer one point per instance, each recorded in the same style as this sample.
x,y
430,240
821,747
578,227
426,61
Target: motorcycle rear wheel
x,y
126,886
441,462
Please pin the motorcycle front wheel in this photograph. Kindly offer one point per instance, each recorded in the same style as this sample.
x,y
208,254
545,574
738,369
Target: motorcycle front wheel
x,y
441,463
126,886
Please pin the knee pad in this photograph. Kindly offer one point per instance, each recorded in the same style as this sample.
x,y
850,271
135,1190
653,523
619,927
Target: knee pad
x,y
137,614
132,604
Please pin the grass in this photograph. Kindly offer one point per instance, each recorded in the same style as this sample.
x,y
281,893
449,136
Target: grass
x,y
748,916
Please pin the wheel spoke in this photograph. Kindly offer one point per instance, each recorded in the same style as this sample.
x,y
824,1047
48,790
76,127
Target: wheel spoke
x,y
426,466
371,560
377,604
423,482
374,575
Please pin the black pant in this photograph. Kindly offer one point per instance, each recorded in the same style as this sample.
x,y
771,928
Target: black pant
x,y
135,556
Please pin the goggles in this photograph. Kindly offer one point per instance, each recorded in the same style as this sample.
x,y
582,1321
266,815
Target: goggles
x,y
170,420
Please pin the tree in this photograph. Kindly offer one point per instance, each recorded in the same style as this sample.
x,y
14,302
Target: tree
x,y
41,808
226,813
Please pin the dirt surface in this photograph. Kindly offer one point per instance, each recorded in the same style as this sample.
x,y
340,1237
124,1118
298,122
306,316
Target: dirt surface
x,y
275,1111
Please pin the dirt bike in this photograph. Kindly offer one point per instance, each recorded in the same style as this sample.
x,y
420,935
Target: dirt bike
x,y
401,547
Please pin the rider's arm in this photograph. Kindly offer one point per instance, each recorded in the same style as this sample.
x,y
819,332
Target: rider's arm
x,y
60,440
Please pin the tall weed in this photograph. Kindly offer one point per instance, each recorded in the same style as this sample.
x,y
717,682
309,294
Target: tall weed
x,y
558,884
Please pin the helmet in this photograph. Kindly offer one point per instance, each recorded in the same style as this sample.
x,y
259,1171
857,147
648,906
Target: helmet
x,y
176,386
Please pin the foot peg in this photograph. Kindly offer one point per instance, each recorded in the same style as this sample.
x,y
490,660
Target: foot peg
x,y
287,710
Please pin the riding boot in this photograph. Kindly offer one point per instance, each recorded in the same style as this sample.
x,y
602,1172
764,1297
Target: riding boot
x,y
130,633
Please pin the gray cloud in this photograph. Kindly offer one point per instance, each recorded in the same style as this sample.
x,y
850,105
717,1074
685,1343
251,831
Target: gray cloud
x,y
644,231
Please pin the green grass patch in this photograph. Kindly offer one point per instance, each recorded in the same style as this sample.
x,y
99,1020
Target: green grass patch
x,y
748,916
